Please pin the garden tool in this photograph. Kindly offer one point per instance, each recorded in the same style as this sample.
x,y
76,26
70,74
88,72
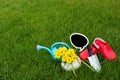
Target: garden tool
x,y
93,59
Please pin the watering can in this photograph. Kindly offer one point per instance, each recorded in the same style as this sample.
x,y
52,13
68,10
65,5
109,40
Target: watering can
x,y
54,47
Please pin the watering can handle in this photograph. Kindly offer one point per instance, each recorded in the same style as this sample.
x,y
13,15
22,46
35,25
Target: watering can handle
x,y
59,43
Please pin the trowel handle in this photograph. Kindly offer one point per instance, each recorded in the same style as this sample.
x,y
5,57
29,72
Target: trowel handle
x,y
89,50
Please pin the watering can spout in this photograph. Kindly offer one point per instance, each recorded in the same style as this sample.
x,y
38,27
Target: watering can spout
x,y
39,47
45,48
42,47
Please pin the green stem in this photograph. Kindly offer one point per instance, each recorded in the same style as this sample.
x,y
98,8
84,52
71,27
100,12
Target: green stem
x,y
87,65
74,71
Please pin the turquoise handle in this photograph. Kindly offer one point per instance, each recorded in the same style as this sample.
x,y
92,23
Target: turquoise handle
x,y
59,43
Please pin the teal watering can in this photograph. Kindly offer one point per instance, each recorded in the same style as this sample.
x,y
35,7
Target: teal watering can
x,y
54,47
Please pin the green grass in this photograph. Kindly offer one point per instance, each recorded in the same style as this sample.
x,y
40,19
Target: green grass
x,y
26,23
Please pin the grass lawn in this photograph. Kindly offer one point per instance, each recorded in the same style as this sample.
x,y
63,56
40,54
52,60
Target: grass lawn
x,y
26,23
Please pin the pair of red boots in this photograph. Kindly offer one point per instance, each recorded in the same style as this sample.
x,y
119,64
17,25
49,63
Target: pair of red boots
x,y
99,46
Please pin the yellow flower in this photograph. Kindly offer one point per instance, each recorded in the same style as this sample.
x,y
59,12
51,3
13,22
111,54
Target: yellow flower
x,y
70,56
67,56
74,58
69,60
57,55
61,51
64,58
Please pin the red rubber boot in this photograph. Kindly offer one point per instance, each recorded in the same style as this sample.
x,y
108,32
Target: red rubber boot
x,y
105,49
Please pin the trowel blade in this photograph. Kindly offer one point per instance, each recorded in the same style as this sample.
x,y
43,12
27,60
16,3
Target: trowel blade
x,y
94,62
